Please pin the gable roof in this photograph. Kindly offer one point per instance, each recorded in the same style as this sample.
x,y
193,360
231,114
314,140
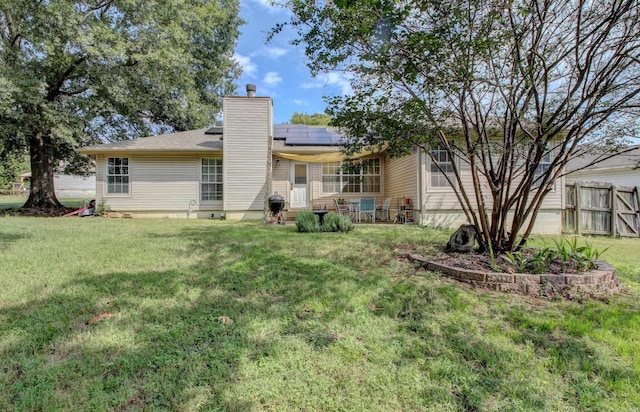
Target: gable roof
x,y
628,159
296,137
200,140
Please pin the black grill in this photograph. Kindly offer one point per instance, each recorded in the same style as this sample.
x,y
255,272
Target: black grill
x,y
276,204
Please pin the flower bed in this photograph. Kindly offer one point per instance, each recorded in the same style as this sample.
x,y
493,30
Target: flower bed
x,y
600,281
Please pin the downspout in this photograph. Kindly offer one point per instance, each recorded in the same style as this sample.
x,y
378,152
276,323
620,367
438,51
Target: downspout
x,y
421,187
269,172
268,182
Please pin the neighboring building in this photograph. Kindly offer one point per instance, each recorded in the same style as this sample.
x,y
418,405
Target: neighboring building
x,y
65,186
74,187
233,170
620,170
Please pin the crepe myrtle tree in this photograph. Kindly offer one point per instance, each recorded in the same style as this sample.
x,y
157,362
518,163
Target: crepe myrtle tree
x,y
506,91
86,71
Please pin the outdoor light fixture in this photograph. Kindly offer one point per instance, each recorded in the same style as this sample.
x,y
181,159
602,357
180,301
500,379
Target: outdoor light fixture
x,y
277,162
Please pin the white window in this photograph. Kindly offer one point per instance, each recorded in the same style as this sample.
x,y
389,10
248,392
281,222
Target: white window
x,y
363,177
543,167
117,175
211,179
440,157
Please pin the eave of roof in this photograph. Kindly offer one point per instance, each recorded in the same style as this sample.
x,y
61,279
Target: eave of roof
x,y
191,141
625,160
208,140
280,146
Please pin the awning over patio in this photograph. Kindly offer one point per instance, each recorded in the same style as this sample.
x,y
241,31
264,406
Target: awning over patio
x,y
326,157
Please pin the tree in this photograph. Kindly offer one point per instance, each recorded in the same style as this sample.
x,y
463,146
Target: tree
x,y
316,119
10,168
509,90
86,71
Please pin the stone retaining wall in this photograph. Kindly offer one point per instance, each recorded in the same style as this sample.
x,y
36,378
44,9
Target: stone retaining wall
x,y
600,281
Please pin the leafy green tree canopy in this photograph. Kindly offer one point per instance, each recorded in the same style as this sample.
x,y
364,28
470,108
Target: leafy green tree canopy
x,y
10,168
508,90
86,71
316,119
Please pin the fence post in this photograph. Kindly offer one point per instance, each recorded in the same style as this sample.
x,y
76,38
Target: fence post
x,y
576,188
614,210
638,204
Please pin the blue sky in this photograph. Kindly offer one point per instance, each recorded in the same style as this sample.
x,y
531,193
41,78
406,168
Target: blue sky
x,y
278,70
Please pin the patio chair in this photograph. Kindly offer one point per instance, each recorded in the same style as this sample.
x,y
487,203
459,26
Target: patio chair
x,y
385,213
354,206
367,208
342,209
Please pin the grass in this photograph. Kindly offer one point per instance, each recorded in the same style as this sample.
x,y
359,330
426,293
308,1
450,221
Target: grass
x,y
15,202
215,315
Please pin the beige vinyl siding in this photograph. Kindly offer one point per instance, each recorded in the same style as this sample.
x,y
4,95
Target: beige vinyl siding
x,y
315,176
401,178
101,171
443,198
446,199
548,222
247,132
156,183
442,208
280,175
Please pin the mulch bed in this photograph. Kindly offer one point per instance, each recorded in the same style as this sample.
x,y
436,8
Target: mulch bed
x,y
481,262
37,212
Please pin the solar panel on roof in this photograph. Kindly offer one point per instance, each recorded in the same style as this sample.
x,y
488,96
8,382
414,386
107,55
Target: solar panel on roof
x,y
305,135
287,127
297,135
214,130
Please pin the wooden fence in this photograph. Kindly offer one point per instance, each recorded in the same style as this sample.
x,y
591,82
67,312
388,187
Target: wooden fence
x,y
602,209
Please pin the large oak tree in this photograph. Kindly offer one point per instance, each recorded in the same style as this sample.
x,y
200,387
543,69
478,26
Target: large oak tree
x,y
510,90
86,71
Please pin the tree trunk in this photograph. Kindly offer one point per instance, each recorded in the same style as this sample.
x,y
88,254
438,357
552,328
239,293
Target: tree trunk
x,y
42,194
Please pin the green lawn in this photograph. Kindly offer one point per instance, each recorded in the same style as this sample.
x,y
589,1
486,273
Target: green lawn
x,y
215,315
14,202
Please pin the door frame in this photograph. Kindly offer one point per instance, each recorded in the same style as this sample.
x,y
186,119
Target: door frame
x,y
292,184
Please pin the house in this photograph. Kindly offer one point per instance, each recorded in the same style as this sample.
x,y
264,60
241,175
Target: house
x,y
233,169
620,170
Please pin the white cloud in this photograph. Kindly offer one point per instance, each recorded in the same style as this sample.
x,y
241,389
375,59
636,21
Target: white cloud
x,y
272,79
274,52
249,68
301,102
273,6
337,79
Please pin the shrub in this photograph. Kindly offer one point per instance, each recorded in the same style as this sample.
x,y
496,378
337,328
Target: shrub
x,y
334,222
307,222
102,208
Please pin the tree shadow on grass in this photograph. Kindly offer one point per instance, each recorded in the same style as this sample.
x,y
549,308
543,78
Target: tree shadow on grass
x,y
592,373
170,339
508,361
7,238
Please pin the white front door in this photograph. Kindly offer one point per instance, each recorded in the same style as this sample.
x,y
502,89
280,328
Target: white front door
x,y
299,185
